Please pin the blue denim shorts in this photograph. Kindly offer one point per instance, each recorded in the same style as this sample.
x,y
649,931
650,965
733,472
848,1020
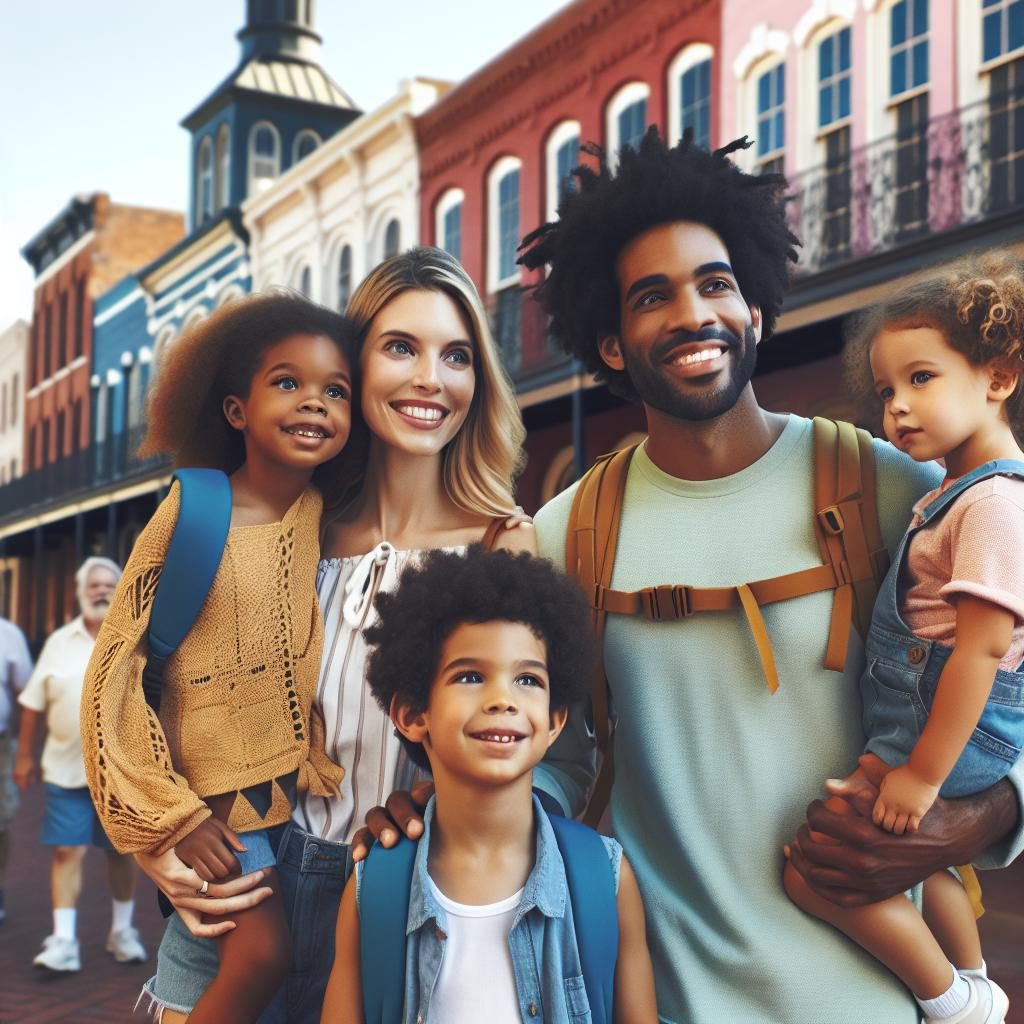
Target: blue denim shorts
x,y
70,819
259,851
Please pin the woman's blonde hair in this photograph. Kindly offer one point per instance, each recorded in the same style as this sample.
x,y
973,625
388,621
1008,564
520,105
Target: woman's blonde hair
x,y
487,453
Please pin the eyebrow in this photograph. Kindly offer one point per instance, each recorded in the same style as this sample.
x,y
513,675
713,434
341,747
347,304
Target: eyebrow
x,y
714,267
399,333
473,662
292,368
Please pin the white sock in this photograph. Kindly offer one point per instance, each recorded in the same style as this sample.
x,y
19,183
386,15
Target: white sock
x,y
122,915
64,922
951,1002
974,972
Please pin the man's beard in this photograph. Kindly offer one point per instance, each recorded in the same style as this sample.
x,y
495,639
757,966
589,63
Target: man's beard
x,y
94,611
657,388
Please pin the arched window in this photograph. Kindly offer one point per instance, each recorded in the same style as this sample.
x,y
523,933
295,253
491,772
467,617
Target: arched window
x,y
448,222
163,339
689,94
503,223
835,77
626,118
264,156
305,282
204,182
392,239
344,276
223,189
562,155
305,142
771,118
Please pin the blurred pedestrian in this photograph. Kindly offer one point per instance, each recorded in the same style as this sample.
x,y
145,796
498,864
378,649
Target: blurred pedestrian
x,y
70,825
15,667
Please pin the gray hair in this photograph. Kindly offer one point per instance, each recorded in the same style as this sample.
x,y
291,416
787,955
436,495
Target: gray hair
x,y
94,562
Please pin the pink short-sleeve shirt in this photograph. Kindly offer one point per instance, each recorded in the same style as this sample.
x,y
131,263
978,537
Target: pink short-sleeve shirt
x,y
976,547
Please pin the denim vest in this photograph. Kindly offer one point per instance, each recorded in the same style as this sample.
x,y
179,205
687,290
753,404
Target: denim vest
x,y
545,960
903,670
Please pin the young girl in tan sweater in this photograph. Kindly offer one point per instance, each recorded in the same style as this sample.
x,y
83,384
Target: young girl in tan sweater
x,y
263,390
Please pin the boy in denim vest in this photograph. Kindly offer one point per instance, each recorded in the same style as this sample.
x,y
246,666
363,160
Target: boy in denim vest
x,y
477,660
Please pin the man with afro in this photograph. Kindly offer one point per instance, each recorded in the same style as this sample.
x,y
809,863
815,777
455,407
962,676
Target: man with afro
x,y
663,278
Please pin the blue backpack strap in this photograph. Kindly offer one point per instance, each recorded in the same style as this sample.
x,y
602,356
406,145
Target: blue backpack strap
x,y
193,558
384,891
588,872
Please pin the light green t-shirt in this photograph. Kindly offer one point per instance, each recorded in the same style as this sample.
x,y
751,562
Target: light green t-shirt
x,y
713,773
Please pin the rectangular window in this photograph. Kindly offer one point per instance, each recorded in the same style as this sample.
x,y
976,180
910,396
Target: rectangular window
x,y
911,191
79,317
771,114
695,106
908,55
14,400
1002,27
508,224
632,124
62,331
836,221
1006,135
452,226
834,75
47,341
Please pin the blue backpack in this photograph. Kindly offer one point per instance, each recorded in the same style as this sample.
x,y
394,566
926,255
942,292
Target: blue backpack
x,y
384,897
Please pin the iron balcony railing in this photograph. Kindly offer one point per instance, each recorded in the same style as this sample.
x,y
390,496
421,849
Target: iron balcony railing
x,y
956,169
104,463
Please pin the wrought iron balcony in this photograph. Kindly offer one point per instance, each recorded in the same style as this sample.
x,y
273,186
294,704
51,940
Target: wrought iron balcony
x,y
521,330
75,476
962,167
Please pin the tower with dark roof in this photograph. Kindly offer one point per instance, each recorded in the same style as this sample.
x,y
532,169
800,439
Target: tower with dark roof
x,y
274,108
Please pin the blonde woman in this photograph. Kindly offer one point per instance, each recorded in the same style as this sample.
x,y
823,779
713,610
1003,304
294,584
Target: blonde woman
x,y
445,443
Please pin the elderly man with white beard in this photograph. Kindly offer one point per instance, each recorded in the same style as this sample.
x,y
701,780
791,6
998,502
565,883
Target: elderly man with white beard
x,y
70,825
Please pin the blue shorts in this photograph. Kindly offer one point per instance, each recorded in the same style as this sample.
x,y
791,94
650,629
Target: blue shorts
x,y
70,819
259,852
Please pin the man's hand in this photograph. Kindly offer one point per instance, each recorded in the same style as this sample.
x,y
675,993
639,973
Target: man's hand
x,y
851,862
403,813
208,848
903,800
25,770
180,884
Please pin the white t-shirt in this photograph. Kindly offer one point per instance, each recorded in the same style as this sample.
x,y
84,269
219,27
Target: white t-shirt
x,y
15,667
55,687
476,982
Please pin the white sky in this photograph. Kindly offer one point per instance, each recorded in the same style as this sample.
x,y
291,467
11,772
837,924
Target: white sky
x,y
91,91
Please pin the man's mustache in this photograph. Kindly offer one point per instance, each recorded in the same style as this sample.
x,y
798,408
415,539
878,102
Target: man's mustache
x,y
663,349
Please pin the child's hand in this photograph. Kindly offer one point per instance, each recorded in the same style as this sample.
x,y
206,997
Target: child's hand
x,y
904,798
207,849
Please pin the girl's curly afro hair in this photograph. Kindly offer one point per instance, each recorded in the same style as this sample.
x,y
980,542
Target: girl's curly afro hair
x,y
447,590
655,185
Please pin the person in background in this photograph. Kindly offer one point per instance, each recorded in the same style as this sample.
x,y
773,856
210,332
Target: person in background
x,y
70,825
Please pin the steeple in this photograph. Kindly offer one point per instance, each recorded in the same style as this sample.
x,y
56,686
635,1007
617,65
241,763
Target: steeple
x,y
280,29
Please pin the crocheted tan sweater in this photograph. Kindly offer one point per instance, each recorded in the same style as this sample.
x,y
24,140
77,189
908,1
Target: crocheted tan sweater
x,y
236,708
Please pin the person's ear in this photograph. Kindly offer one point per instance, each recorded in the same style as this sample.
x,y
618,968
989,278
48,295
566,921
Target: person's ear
x,y
610,350
558,719
411,724
756,323
1002,382
234,412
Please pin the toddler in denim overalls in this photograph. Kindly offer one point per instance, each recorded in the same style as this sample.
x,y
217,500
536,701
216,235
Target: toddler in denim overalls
x,y
943,697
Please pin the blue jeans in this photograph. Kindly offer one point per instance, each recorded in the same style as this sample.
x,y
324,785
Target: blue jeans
x,y
312,873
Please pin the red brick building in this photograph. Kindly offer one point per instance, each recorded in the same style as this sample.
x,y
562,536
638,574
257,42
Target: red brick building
x,y
494,155
89,246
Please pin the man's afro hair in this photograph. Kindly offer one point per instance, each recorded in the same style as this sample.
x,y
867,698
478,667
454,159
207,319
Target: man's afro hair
x,y
448,589
655,185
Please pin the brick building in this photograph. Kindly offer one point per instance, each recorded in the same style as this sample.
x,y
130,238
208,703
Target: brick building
x,y
494,155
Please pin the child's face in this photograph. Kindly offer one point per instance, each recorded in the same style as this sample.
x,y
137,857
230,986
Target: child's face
x,y
418,372
935,401
489,719
299,410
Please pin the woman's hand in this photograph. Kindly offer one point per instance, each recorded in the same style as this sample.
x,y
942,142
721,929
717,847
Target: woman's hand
x,y
403,814
181,885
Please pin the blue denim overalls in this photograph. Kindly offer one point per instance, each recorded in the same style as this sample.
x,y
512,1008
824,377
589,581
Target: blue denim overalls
x,y
898,684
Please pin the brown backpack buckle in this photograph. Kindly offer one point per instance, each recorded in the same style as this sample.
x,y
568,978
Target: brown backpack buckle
x,y
666,602
831,520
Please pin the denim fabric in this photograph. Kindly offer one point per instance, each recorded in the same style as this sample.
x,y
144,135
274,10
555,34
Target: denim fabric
x,y
898,685
259,851
545,960
70,819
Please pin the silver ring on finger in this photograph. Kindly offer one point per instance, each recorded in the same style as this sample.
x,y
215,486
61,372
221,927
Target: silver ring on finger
x,y
203,889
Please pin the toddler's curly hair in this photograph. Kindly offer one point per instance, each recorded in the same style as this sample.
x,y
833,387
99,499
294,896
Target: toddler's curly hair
x,y
448,589
655,185
976,303
218,357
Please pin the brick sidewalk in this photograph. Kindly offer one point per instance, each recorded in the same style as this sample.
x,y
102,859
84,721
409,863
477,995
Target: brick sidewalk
x,y
106,991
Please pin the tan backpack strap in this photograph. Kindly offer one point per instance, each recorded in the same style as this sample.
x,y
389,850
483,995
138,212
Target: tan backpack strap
x,y
872,528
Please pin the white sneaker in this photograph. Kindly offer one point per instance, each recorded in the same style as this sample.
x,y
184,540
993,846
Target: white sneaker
x,y
126,947
988,1004
58,955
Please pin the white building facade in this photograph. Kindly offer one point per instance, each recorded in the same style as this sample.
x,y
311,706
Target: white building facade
x,y
13,360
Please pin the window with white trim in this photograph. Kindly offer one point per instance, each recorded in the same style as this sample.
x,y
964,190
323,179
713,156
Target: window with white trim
x,y
834,78
304,282
771,116
264,156
392,239
448,222
562,157
695,102
1002,28
626,118
908,41
344,276
503,223
204,181
223,167
305,143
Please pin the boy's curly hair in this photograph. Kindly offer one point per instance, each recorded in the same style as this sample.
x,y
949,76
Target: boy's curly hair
x,y
448,589
655,185
977,303
219,357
